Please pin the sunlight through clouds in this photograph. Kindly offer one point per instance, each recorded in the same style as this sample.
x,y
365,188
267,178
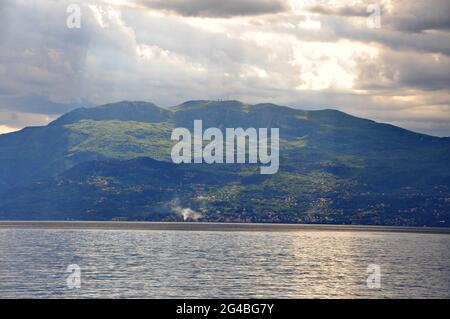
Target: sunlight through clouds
x,y
6,129
302,53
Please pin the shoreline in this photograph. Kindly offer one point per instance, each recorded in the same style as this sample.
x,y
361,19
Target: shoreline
x,y
196,226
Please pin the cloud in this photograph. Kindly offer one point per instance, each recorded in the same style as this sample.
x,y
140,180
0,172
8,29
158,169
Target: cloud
x,y
405,25
13,120
420,15
38,104
395,71
41,60
174,52
402,15
345,10
213,8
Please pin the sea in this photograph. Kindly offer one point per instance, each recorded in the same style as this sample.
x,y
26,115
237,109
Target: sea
x,y
111,263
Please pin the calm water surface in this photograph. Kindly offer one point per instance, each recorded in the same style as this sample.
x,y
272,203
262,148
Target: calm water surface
x,y
185,264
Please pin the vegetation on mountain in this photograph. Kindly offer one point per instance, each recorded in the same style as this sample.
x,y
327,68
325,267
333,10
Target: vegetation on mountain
x,y
113,162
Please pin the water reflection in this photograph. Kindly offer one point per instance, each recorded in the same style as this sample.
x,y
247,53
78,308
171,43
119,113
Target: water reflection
x,y
170,264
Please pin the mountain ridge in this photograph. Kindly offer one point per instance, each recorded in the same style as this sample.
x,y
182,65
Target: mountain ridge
x,y
334,168
83,112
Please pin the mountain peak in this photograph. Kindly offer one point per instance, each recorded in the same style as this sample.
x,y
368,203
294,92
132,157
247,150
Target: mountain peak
x,y
124,111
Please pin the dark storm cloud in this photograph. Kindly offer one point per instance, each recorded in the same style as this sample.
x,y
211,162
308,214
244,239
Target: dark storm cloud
x,y
214,8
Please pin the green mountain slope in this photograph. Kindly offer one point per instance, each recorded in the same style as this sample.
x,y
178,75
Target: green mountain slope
x,y
121,130
334,168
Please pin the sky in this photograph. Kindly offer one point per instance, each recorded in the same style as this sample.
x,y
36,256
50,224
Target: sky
x,y
387,60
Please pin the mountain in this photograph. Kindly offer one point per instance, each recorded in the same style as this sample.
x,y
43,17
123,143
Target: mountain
x,y
123,111
113,162
108,131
